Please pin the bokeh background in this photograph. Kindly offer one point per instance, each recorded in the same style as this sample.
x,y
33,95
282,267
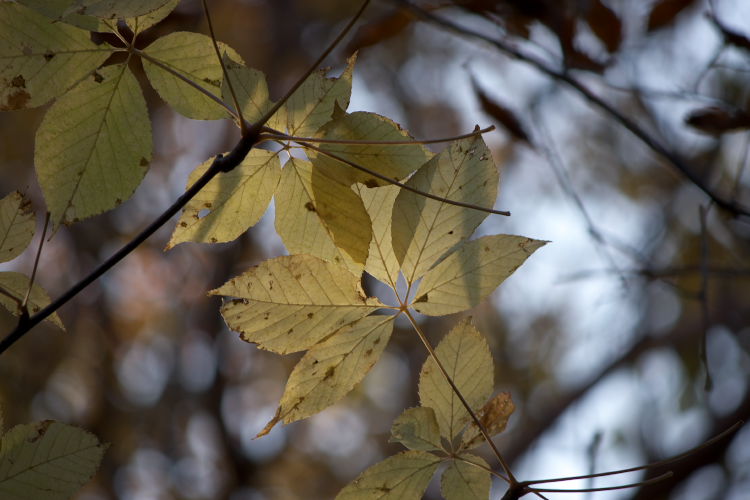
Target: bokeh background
x,y
623,341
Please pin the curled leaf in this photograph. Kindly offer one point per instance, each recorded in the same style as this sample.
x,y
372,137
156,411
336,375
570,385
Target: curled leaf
x,y
494,417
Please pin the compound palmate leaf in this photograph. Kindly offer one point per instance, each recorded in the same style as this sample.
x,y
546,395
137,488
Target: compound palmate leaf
x,y
47,461
16,225
115,9
468,275
424,229
404,476
191,55
466,357
250,89
40,58
94,145
290,303
232,202
332,368
15,285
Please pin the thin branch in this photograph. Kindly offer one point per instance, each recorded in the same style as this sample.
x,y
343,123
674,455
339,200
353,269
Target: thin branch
x,y
243,126
315,65
547,145
503,46
647,482
188,81
660,463
510,479
12,297
703,297
36,262
321,140
401,184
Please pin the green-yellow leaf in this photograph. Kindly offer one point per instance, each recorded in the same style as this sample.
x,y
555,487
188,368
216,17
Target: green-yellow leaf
x,y
93,146
115,9
381,261
393,161
16,285
143,22
462,481
231,203
467,276
40,59
466,357
312,104
494,417
328,371
424,229
59,11
291,303
404,476
318,215
417,429
250,88
47,461
191,55
16,225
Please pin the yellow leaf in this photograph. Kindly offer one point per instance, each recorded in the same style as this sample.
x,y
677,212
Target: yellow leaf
x,y
16,284
328,371
291,303
424,229
318,215
404,476
193,56
250,88
312,104
17,225
417,429
94,145
466,357
462,481
467,276
393,161
381,261
231,203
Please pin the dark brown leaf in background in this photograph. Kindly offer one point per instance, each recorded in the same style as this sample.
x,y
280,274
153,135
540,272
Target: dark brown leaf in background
x,y
664,12
380,29
501,113
716,121
605,24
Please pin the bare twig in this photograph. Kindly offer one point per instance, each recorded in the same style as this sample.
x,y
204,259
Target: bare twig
x,y
36,263
274,136
241,120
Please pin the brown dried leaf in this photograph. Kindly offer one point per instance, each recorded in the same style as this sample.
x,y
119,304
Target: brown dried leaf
x,y
380,29
605,24
494,417
714,120
501,113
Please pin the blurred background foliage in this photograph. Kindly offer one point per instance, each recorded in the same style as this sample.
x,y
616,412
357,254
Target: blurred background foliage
x,y
599,337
